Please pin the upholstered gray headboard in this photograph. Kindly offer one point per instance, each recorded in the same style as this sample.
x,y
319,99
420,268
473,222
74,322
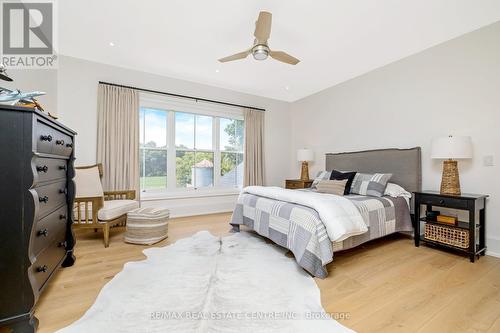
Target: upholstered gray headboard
x,y
404,164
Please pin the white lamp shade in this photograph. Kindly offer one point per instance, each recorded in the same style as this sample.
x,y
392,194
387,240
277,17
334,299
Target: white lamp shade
x,y
452,147
305,155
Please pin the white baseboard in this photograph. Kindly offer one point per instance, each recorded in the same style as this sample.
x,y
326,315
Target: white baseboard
x,y
493,254
181,207
493,244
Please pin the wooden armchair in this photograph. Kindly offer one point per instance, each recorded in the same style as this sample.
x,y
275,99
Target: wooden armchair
x,y
97,209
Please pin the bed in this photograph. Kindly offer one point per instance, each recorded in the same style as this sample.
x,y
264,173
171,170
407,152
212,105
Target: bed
x,y
315,225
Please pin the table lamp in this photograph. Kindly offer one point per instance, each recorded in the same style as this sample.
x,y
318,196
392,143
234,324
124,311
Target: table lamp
x,y
450,149
304,156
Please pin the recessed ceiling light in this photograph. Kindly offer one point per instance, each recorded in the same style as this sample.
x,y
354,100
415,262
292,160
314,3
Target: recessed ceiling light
x,y
111,44
217,71
287,87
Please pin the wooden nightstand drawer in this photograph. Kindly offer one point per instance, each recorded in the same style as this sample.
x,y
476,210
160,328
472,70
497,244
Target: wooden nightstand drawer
x,y
293,184
443,201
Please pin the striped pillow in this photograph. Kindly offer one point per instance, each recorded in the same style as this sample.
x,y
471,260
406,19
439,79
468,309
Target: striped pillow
x,y
322,175
370,184
332,186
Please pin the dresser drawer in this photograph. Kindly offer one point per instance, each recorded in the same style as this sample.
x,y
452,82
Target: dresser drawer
x,y
443,201
52,141
48,169
50,197
49,229
63,144
48,261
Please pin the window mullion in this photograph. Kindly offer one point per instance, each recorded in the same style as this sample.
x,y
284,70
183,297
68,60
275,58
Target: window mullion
x,y
171,169
195,185
216,146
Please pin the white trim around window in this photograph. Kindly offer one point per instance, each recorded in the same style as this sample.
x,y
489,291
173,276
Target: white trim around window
x,y
167,104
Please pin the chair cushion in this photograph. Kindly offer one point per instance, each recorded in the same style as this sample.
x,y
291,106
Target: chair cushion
x,y
88,183
116,208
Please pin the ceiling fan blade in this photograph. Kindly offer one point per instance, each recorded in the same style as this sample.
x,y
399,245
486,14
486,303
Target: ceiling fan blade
x,y
236,56
284,57
263,27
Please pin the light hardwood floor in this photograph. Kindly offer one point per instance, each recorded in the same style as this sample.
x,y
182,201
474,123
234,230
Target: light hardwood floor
x,y
385,286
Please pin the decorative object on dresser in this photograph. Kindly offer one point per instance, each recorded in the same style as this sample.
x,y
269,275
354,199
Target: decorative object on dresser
x,y
36,173
147,225
450,149
464,237
96,208
305,156
3,73
297,183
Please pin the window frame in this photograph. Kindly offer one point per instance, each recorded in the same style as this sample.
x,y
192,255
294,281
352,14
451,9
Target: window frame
x,y
171,105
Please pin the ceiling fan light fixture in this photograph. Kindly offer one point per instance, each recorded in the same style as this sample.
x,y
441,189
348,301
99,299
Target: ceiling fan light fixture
x,y
260,52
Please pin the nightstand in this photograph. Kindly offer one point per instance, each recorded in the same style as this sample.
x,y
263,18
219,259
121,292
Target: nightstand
x,y
297,183
474,229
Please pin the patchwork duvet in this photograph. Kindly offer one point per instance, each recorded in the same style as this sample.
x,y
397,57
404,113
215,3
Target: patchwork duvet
x,y
302,229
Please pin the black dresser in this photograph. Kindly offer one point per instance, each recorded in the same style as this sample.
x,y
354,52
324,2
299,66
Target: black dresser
x,y
36,196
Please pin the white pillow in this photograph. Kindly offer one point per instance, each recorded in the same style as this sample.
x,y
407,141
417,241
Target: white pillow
x,y
394,190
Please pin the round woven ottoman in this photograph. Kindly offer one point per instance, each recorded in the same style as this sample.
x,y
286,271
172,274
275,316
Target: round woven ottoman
x,y
147,225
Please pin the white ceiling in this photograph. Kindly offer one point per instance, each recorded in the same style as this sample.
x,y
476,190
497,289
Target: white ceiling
x,y
336,40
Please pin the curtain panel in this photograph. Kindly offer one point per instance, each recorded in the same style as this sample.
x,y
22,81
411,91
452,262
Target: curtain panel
x,y
254,147
118,137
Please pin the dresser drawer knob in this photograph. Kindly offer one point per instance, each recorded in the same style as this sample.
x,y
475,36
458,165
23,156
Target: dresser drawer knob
x,y
441,201
43,232
63,191
69,145
60,142
62,244
62,167
44,199
46,138
42,269
41,168
62,217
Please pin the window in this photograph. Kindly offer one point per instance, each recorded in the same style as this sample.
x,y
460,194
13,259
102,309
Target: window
x,y
231,146
194,154
186,149
153,148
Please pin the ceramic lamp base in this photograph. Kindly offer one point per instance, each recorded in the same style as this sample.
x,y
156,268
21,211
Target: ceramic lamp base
x,y
450,181
304,174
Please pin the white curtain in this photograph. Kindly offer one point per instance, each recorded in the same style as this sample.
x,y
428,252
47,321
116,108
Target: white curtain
x,y
254,147
118,137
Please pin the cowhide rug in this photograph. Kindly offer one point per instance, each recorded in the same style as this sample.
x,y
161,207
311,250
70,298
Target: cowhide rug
x,y
204,283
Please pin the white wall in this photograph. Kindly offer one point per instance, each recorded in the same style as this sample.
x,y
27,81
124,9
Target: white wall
x,y
453,88
35,79
77,103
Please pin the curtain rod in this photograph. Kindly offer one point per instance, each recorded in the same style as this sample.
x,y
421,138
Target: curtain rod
x,y
182,96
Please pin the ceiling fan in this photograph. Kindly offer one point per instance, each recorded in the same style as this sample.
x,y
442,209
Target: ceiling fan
x,y
260,50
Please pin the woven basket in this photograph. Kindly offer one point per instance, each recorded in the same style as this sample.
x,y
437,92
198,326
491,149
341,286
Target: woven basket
x,y
447,235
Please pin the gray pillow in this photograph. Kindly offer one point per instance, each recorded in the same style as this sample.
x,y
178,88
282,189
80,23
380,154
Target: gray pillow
x,y
322,175
370,184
